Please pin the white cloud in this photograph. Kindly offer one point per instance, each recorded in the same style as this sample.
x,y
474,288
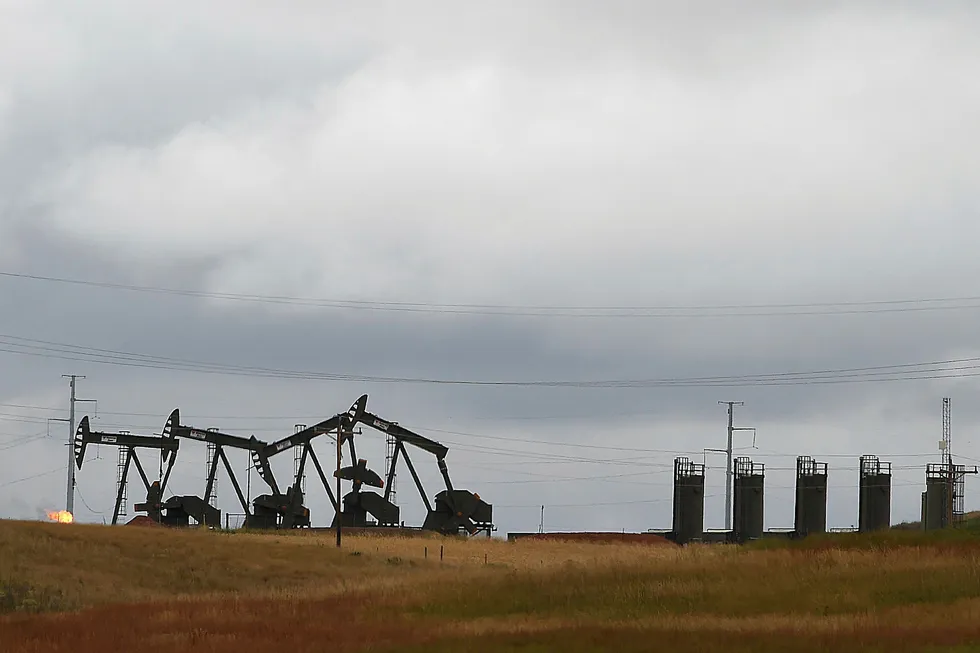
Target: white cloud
x,y
427,174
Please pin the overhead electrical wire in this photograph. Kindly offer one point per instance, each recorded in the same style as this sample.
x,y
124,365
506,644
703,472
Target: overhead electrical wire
x,y
940,369
85,503
664,500
538,457
568,311
60,468
469,434
22,440
607,503
550,478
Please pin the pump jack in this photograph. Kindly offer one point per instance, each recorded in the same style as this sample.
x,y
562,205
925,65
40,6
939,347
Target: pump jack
x,y
357,504
84,436
455,510
199,509
288,511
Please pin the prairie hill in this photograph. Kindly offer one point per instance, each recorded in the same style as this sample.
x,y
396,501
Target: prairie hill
x,y
79,588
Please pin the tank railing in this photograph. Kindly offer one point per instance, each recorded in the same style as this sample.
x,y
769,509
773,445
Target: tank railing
x,y
807,466
746,467
872,466
684,468
940,471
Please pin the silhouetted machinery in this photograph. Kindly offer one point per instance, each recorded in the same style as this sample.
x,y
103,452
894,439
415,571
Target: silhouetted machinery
x,y
286,510
196,507
455,510
179,510
84,436
359,503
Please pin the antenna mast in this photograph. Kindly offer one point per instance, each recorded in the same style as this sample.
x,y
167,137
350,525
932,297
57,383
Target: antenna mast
x,y
946,443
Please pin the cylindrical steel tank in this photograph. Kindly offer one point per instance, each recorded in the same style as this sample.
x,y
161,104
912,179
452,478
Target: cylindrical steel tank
x,y
811,496
688,501
874,503
749,503
938,503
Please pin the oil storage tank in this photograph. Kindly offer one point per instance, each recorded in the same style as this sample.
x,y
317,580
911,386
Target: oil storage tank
x,y
811,496
749,491
937,501
874,504
688,501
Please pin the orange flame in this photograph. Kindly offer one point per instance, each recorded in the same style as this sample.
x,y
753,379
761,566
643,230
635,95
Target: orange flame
x,y
62,516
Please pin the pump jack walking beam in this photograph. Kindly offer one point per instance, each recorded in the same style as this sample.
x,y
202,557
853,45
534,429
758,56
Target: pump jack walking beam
x,y
340,424
221,440
261,457
84,436
403,435
454,508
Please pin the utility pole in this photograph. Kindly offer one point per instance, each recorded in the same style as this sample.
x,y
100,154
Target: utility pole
x,y
340,502
70,502
248,488
729,483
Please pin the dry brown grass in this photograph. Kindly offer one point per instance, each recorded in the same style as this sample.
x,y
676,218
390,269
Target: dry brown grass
x,y
163,590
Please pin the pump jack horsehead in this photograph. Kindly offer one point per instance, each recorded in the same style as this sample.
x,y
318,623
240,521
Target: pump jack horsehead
x,y
165,443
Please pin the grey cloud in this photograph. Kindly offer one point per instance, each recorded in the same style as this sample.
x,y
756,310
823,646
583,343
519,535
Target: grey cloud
x,y
622,153
834,419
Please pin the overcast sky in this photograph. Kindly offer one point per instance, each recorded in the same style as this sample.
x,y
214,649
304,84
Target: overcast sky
x,y
573,154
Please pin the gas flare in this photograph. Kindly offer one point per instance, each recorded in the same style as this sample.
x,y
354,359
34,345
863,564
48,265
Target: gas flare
x,y
62,516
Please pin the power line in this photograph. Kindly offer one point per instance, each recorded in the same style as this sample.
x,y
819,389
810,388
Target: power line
x,y
32,476
85,503
548,478
593,505
530,310
31,406
552,442
6,417
38,475
27,439
943,369
541,455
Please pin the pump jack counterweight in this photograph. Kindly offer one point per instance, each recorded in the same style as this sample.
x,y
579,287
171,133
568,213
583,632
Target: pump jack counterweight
x,y
455,510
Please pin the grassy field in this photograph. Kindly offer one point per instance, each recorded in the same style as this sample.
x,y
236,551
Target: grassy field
x,y
86,588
